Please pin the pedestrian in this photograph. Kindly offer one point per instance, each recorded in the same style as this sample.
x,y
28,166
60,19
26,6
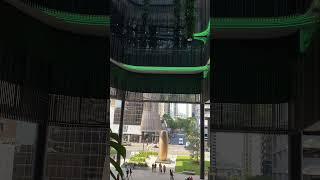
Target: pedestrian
x,y
152,167
130,172
160,168
164,169
127,171
171,175
155,167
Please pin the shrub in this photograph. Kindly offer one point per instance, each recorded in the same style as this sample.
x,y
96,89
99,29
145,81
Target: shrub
x,y
140,158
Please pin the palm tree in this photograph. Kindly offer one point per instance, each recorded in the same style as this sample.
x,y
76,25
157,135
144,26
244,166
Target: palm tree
x,y
115,144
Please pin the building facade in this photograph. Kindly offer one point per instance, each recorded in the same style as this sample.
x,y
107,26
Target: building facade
x,y
266,152
280,157
252,155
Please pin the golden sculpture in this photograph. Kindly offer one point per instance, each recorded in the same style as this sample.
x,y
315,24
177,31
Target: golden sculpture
x,y
163,145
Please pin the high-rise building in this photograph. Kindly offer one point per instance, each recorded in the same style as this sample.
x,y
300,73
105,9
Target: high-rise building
x,y
132,113
266,152
132,119
280,157
196,112
7,131
76,153
151,119
206,121
178,110
213,151
138,118
162,109
7,148
226,154
17,141
251,158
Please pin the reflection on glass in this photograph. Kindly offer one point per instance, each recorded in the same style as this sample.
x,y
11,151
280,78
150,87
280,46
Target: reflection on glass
x,y
311,157
17,140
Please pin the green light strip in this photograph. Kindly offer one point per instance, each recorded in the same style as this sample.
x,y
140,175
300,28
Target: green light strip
x,y
203,39
205,32
165,69
74,17
215,23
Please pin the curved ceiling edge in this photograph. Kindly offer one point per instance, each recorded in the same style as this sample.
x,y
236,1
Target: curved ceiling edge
x,y
261,27
78,28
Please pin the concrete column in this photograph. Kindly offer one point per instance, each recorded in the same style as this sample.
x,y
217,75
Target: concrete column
x,y
129,137
143,141
40,165
123,102
202,141
40,151
295,153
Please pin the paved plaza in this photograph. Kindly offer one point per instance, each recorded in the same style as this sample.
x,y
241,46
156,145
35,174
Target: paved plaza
x,y
148,175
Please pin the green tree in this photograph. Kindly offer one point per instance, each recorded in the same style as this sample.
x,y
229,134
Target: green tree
x,y
171,123
189,126
194,139
186,124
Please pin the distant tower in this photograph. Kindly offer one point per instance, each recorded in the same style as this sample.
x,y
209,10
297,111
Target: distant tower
x,y
150,118
150,122
246,161
266,152
213,151
251,155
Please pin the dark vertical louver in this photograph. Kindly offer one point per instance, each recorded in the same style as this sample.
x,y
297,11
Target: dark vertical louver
x,y
258,8
250,84
268,118
95,7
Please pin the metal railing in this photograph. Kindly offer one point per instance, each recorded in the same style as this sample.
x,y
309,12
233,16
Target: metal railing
x,y
159,52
